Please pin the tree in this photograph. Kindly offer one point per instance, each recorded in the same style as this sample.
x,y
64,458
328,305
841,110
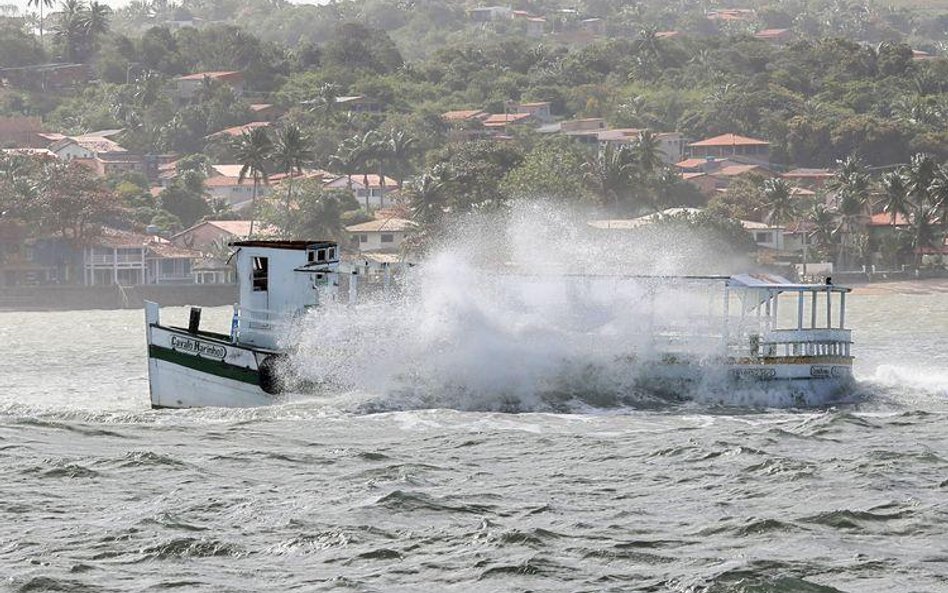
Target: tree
x,y
647,152
895,200
611,175
291,153
253,150
185,199
851,184
779,203
74,202
40,4
549,171
399,150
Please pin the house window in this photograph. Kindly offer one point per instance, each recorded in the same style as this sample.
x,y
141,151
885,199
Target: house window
x,y
363,238
389,238
167,267
762,237
260,272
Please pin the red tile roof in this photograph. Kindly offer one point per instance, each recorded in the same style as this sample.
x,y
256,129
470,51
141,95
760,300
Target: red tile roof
x,y
730,140
238,130
222,75
462,114
885,219
496,120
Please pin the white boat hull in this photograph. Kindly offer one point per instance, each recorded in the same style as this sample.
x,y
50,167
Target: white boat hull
x,y
188,370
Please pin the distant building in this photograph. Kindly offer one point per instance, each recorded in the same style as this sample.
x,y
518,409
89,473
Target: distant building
x,y
540,110
236,131
371,191
671,144
360,104
203,236
485,14
808,178
126,258
536,26
381,235
775,36
187,87
731,144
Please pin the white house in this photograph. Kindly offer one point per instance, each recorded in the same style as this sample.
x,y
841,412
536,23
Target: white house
x,y
671,144
86,147
372,191
381,235
224,183
129,259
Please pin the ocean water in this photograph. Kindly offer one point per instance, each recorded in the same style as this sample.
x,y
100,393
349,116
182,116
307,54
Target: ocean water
x,y
322,493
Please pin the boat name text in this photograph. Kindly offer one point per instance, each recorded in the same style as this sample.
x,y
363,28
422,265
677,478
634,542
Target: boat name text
x,y
199,348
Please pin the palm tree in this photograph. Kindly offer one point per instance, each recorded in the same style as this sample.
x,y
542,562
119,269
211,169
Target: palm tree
x,y
291,152
402,146
95,21
325,102
919,175
612,174
345,159
647,151
895,200
70,29
779,202
369,147
851,184
253,150
40,4
427,196
824,226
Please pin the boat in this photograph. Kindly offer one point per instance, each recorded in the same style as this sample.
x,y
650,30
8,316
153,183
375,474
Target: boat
x,y
278,282
765,332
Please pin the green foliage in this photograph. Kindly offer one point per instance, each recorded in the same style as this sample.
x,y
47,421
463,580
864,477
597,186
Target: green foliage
x,y
552,170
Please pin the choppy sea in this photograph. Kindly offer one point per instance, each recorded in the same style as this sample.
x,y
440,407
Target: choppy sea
x,y
99,493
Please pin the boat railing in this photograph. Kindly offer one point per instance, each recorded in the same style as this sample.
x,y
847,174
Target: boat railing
x,y
805,342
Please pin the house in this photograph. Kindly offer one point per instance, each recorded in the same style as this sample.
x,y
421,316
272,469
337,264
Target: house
x,y
775,36
359,104
741,15
237,131
370,190
809,178
224,183
671,144
500,121
731,144
764,235
380,235
540,110
536,26
86,148
485,14
127,258
593,26
706,184
265,112
187,87
705,164
725,175
463,115
209,235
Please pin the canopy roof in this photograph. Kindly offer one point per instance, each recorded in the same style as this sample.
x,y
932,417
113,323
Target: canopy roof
x,y
779,283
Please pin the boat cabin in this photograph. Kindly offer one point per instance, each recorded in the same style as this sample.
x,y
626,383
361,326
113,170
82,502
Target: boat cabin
x,y
779,318
279,280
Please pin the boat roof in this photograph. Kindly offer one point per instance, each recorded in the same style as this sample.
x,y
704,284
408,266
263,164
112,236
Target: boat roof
x,y
779,283
293,245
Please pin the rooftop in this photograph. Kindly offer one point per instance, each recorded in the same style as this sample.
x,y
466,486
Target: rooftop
x,y
382,225
223,75
730,140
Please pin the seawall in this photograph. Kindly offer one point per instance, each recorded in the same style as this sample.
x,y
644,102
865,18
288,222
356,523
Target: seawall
x,y
63,298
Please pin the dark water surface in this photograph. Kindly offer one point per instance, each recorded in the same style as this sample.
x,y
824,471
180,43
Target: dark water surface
x,y
98,493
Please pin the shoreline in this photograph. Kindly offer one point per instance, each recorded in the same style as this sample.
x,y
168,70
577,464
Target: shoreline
x,y
920,286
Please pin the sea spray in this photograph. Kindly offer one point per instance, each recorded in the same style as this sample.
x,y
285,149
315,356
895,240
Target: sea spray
x,y
524,310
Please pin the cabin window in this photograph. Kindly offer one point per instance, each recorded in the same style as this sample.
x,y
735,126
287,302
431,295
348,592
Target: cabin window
x,y
332,253
261,267
388,238
321,255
